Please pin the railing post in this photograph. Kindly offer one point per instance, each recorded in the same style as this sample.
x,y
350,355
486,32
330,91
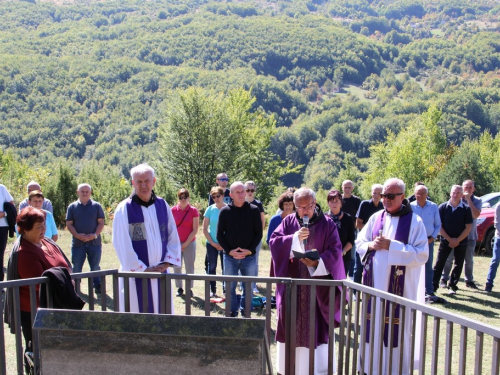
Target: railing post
x,y
116,293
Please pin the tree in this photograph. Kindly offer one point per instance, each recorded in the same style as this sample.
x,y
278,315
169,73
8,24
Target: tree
x,y
206,133
465,164
62,191
417,153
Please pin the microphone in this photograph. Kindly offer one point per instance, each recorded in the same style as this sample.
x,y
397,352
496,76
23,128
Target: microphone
x,y
305,220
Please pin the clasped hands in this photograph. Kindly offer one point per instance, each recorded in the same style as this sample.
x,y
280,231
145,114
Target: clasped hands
x,y
453,242
380,243
239,253
86,237
161,268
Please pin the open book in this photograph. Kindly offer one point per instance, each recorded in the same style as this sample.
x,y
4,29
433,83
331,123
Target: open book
x,y
313,254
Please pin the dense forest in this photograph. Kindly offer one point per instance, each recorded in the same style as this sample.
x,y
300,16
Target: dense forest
x,y
89,89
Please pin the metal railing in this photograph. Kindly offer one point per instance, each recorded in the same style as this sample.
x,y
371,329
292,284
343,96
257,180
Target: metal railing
x,y
350,355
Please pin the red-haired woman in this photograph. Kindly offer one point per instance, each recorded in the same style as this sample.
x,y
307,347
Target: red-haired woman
x,y
32,254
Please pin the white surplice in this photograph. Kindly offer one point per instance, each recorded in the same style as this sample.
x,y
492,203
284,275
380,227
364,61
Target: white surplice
x,y
129,262
414,256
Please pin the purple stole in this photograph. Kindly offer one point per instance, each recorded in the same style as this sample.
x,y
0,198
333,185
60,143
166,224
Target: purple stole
x,y
396,276
137,233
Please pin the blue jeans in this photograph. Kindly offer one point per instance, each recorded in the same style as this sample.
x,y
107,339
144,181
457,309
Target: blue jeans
x,y
78,255
495,260
212,255
232,266
358,270
429,272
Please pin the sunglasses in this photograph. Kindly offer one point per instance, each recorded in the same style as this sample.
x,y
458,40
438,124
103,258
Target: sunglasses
x,y
216,196
250,190
223,179
391,197
183,198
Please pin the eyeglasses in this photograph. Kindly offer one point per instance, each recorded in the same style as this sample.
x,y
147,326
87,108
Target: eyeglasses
x,y
391,197
223,179
250,190
216,196
183,198
306,208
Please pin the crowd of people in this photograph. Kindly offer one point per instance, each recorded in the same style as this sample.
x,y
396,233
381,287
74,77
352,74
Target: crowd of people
x,y
386,242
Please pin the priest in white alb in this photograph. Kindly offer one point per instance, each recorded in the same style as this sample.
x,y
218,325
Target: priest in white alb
x,y
145,239
393,248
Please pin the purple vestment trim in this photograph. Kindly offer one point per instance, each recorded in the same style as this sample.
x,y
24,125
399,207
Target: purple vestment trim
x,y
140,245
396,276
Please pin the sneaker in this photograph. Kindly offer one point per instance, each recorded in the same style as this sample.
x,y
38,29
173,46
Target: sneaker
x,y
97,289
452,290
213,294
234,314
180,292
488,288
471,284
443,284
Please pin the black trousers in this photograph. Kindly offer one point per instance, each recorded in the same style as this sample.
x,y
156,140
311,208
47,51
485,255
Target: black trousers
x,y
28,336
458,264
4,235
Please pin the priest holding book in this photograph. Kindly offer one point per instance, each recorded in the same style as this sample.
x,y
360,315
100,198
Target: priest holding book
x,y
295,246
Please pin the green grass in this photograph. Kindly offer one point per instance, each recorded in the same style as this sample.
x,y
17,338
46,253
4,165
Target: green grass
x,y
473,304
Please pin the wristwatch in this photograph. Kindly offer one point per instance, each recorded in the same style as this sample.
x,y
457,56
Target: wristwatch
x,y
95,236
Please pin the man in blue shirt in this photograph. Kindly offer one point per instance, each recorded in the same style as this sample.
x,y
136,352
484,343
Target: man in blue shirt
x,y
429,213
85,221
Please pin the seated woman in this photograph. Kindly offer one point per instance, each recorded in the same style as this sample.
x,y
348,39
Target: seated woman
x,y
32,254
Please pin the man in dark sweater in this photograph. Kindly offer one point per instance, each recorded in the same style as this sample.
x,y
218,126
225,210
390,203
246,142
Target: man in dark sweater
x,y
456,223
239,232
366,210
350,204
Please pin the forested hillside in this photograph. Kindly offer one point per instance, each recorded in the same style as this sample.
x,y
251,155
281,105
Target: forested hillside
x,y
87,86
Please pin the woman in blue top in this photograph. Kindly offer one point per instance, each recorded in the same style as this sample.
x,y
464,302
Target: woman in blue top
x,y
285,204
210,220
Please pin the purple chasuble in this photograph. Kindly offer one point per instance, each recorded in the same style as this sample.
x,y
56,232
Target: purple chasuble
x,y
138,235
396,276
323,236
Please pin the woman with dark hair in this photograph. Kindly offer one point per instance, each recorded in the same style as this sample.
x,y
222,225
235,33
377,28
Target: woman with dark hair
x,y
32,254
285,204
344,224
187,220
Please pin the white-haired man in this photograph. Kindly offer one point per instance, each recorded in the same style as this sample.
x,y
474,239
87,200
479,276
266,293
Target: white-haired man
x,y
393,247
145,238
85,221
33,186
321,234
239,232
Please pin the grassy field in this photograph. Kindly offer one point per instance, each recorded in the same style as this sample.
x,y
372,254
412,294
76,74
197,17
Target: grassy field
x,y
473,304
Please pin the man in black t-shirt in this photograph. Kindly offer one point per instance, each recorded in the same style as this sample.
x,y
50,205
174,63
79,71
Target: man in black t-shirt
x,y
350,205
456,223
222,180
